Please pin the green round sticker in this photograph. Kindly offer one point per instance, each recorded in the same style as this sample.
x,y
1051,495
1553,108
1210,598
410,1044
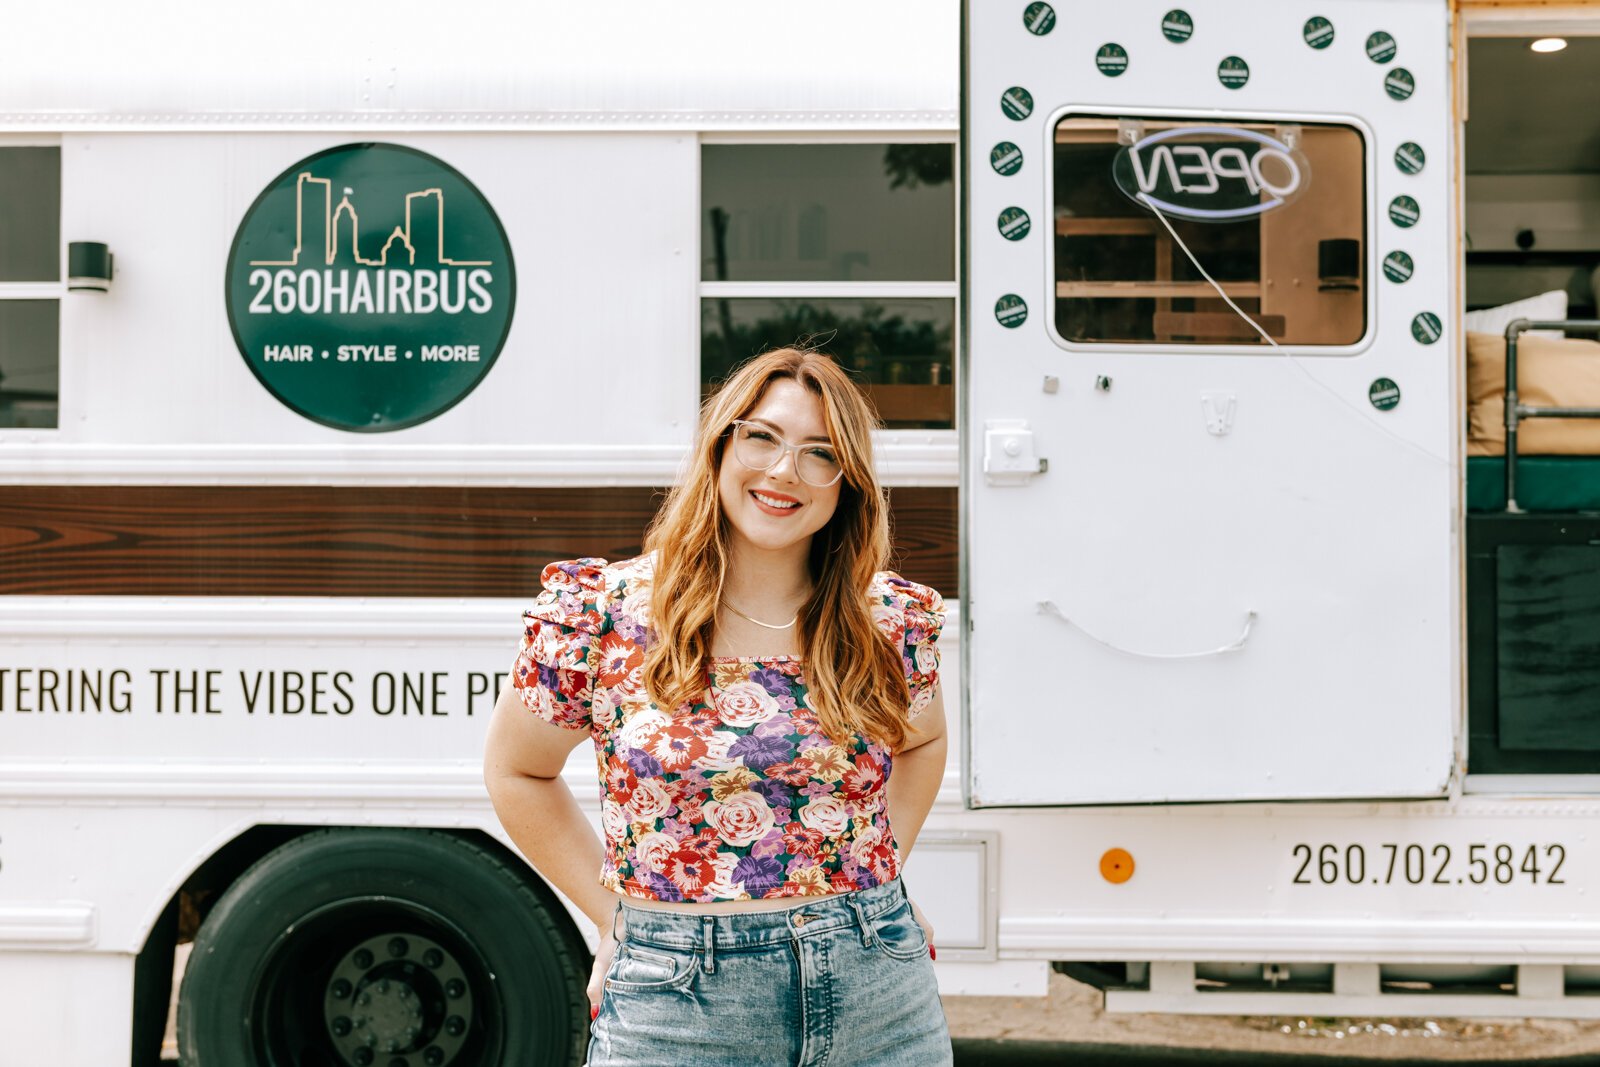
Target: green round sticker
x,y
370,287
1040,18
1404,212
1427,328
1177,26
1011,311
1318,32
1384,394
1399,83
1016,103
1233,72
1397,266
1005,158
1410,158
1014,224
1380,47
1112,59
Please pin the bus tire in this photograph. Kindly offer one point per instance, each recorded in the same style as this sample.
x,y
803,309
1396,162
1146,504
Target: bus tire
x,y
358,947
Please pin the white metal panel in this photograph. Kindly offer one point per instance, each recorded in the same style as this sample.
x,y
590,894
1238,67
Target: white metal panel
x,y
1232,882
574,332
48,1015
720,64
37,457
419,679
1332,521
951,877
604,228
149,792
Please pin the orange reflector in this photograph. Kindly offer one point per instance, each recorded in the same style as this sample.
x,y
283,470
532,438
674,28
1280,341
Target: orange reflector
x,y
1116,866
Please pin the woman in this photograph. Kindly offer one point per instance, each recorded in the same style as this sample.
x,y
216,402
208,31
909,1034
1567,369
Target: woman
x,y
748,683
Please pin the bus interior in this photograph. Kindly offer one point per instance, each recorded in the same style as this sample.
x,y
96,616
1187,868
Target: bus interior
x,y
1532,251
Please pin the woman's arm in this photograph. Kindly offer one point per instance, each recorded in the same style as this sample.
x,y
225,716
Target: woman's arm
x,y
917,773
522,768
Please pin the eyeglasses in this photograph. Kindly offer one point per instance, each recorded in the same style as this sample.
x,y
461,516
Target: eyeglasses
x,y
760,449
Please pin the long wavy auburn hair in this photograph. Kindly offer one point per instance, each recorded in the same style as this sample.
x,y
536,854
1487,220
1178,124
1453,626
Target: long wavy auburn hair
x,y
855,677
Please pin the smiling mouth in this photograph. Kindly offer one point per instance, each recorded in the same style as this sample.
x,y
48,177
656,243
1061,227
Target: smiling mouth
x,y
776,504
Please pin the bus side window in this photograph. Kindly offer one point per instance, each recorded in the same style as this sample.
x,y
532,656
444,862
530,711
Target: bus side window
x,y
30,256
876,220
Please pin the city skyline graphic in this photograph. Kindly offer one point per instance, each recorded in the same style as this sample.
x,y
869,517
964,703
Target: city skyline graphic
x,y
343,218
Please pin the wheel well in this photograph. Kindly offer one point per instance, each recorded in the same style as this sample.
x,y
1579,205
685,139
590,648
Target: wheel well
x,y
186,909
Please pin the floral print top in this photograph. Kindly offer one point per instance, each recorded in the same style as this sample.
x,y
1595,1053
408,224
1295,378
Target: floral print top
x,y
741,794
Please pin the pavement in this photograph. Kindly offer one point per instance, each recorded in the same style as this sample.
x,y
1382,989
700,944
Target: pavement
x,y
971,1052
1069,1026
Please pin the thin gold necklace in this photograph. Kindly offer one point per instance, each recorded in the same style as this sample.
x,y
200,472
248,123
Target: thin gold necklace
x,y
758,622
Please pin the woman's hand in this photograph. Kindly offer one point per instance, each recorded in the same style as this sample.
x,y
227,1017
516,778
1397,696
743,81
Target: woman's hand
x,y
603,955
927,927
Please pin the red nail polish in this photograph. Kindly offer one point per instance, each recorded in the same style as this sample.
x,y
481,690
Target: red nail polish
x,y
594,1012
932,954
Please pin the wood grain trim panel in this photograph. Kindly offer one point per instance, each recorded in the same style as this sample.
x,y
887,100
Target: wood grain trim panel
x,y
360,541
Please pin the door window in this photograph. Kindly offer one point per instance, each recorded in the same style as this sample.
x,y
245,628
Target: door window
x,y
1275,213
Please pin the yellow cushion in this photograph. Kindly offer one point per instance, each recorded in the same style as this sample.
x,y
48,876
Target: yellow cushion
x,y
1551,372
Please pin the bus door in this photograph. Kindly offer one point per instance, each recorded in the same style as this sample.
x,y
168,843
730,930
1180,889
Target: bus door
x,y
1209,485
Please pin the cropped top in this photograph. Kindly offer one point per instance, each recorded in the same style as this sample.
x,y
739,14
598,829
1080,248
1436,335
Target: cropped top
x,y
741,794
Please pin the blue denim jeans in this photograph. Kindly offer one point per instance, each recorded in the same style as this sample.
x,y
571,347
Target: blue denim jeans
x,y
842,980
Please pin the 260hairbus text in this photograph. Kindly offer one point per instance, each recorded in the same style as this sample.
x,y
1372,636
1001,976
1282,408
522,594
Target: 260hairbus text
x,y
379,292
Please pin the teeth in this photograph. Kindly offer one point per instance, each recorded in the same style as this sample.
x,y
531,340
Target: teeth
x,y
771,503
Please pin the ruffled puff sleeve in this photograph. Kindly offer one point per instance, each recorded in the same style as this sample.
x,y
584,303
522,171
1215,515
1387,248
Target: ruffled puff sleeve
x,y
556,663
912,615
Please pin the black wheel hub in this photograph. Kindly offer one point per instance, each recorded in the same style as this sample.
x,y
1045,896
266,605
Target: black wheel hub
x,y
398,1000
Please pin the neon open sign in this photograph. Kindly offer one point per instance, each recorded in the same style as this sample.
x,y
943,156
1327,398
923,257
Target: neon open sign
x,y
1210,173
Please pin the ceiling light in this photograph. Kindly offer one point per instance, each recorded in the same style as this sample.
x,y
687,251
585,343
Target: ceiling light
x,y
1549,44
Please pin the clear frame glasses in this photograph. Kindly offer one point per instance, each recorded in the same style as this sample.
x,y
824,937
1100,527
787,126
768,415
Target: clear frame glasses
x,y
760,449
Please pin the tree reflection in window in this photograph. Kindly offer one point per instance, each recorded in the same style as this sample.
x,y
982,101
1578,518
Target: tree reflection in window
x,y
899,350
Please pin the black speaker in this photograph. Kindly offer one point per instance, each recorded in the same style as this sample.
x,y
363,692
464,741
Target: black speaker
x,y
88,266
1339,264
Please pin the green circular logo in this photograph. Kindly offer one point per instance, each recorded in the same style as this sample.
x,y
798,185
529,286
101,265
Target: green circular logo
x,y
1233,72
1397,266
1016,103
1384,394
1318,32
1427,328
1005,158
1040,18
1404,212
1177,26
1014,224
1380,47
1410,158
370,287
1011,311
1112,59
1399,83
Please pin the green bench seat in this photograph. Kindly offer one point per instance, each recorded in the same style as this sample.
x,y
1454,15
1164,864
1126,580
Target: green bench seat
x,y
1544,483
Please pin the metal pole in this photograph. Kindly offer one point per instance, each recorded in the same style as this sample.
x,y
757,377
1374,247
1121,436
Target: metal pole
x,y
1515,411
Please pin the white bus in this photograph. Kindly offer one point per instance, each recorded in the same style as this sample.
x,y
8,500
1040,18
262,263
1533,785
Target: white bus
x,y
321,332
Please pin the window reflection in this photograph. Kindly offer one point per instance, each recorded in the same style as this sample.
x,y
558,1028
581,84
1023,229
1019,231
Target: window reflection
x,y
828,212
899,350
30,214
29,346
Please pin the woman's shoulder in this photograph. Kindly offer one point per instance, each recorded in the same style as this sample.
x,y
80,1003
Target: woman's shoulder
x,y
587,593
910,604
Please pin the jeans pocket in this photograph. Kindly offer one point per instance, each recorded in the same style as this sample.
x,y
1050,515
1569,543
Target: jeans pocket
x,y
640,970
899,934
